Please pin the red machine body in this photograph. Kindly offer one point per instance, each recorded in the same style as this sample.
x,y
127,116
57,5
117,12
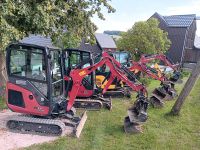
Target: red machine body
x,y
77,76
31,106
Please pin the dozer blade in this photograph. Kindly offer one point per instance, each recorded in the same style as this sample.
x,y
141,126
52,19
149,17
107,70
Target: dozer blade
x,y
130,127
137,118
156,102
81,124
107,103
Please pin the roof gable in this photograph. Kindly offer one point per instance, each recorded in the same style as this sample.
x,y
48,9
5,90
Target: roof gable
x,y
38,40
105,41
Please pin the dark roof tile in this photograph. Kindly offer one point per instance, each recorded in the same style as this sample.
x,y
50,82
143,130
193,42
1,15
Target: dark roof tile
x,y
179,20
38,40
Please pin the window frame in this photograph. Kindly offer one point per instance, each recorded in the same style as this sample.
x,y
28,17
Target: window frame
x,y
25,49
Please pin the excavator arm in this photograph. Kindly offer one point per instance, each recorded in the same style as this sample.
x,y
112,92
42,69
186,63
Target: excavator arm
x,y
117,71
147,58
143,68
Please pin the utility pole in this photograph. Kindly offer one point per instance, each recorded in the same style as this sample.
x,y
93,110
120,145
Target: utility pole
x,y
186,90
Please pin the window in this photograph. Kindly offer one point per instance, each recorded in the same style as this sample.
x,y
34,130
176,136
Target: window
x,y
56,75
74,59
28,63
18,62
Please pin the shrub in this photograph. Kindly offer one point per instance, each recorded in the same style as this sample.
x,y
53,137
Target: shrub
x,y
146,81
185,73
2,103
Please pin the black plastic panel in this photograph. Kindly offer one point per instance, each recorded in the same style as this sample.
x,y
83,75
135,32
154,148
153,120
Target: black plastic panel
x,y
15,98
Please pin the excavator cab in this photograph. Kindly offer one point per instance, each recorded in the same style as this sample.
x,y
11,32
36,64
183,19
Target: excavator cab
x,y
29,85
73,59
89,95
35,87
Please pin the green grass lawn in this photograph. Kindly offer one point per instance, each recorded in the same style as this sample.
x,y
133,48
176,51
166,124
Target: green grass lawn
x,y
104,129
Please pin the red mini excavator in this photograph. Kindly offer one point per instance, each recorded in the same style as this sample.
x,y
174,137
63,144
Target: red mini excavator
x,y
88,95
166,91
35,88
137,113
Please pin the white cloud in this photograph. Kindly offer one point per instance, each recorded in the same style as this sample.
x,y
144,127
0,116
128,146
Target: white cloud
x,y
123,21
120,22
192,8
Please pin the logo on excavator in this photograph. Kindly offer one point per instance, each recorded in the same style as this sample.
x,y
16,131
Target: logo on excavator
x,y
38,109
82,73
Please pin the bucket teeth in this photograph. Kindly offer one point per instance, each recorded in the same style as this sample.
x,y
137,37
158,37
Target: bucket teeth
x,y
130,127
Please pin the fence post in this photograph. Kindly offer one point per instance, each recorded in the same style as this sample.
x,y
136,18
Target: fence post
x,y
186,90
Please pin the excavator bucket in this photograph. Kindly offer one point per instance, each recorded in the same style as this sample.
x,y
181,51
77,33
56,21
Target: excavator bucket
x,y
157,98
156,102
130,127
176,78
161,94
137,117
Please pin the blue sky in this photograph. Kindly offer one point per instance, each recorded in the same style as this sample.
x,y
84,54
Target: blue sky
x,y
130,11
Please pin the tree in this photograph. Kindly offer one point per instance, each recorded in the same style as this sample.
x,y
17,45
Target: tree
x,y
146,37
20,18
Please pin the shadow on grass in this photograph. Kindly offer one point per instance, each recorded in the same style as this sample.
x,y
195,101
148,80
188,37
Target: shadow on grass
x,y
171,117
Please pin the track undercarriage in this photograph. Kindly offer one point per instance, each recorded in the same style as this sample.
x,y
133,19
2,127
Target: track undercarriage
x,y
59,126
96,102
118,93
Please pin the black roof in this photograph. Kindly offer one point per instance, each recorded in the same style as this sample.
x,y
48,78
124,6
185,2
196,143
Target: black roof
x,y
178,20
90,48
39,40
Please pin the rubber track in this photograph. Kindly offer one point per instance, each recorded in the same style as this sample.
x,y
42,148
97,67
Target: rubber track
x,y
23,118
89,101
